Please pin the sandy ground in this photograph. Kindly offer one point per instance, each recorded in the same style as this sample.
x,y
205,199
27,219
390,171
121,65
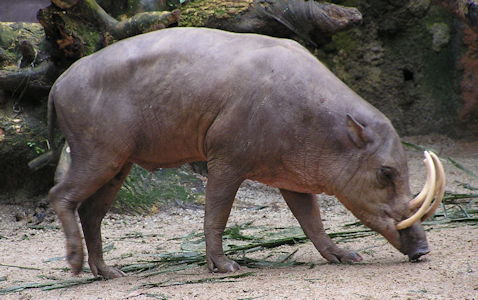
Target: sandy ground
x,y
450,271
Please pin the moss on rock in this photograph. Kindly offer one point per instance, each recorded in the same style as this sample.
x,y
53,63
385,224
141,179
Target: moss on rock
x,y
12,34
402,59
23,137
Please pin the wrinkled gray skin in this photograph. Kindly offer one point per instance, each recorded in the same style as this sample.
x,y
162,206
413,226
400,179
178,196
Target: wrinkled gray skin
x,y
253,107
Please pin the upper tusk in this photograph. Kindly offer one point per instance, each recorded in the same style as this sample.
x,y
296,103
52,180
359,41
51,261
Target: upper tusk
x,y
415,202
429,194
440,188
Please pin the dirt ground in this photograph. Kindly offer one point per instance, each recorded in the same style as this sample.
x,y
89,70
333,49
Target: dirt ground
x,y
450,271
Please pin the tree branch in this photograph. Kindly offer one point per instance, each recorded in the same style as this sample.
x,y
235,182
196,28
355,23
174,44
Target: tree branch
x,y
39,78
78,28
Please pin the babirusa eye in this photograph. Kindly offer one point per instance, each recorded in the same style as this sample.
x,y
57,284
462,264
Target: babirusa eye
x,y
386,175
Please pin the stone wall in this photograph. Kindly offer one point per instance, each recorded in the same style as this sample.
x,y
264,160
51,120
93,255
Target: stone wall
x,y
404,59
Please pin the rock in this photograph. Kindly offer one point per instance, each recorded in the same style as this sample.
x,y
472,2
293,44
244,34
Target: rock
x,y
441,35
403,63
7,35
17,40
419,8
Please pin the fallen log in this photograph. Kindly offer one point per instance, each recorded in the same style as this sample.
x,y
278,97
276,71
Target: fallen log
x,y
77,28
309,21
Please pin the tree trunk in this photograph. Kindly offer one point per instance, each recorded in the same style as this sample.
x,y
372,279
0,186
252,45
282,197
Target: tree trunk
x,y
77,28
309,21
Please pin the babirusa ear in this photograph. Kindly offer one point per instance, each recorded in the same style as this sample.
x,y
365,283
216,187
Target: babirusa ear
x,y
356,132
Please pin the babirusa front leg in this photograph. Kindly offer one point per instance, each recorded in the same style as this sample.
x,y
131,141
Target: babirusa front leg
x,y
306,210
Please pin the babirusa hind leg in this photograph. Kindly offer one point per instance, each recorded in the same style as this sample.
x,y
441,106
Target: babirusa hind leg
x,y
92,212
81,181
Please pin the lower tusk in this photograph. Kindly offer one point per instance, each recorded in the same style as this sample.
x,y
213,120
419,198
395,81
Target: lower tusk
x,y
440,188
430,193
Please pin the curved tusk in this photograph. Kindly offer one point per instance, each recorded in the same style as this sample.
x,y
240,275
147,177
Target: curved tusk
x,y
440,188
430,193
415,202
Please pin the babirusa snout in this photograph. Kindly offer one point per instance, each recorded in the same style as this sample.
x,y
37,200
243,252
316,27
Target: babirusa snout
x,y
434,188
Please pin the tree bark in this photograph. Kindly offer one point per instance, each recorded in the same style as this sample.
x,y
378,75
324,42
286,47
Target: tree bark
x,y
77,28
309,21
37,79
